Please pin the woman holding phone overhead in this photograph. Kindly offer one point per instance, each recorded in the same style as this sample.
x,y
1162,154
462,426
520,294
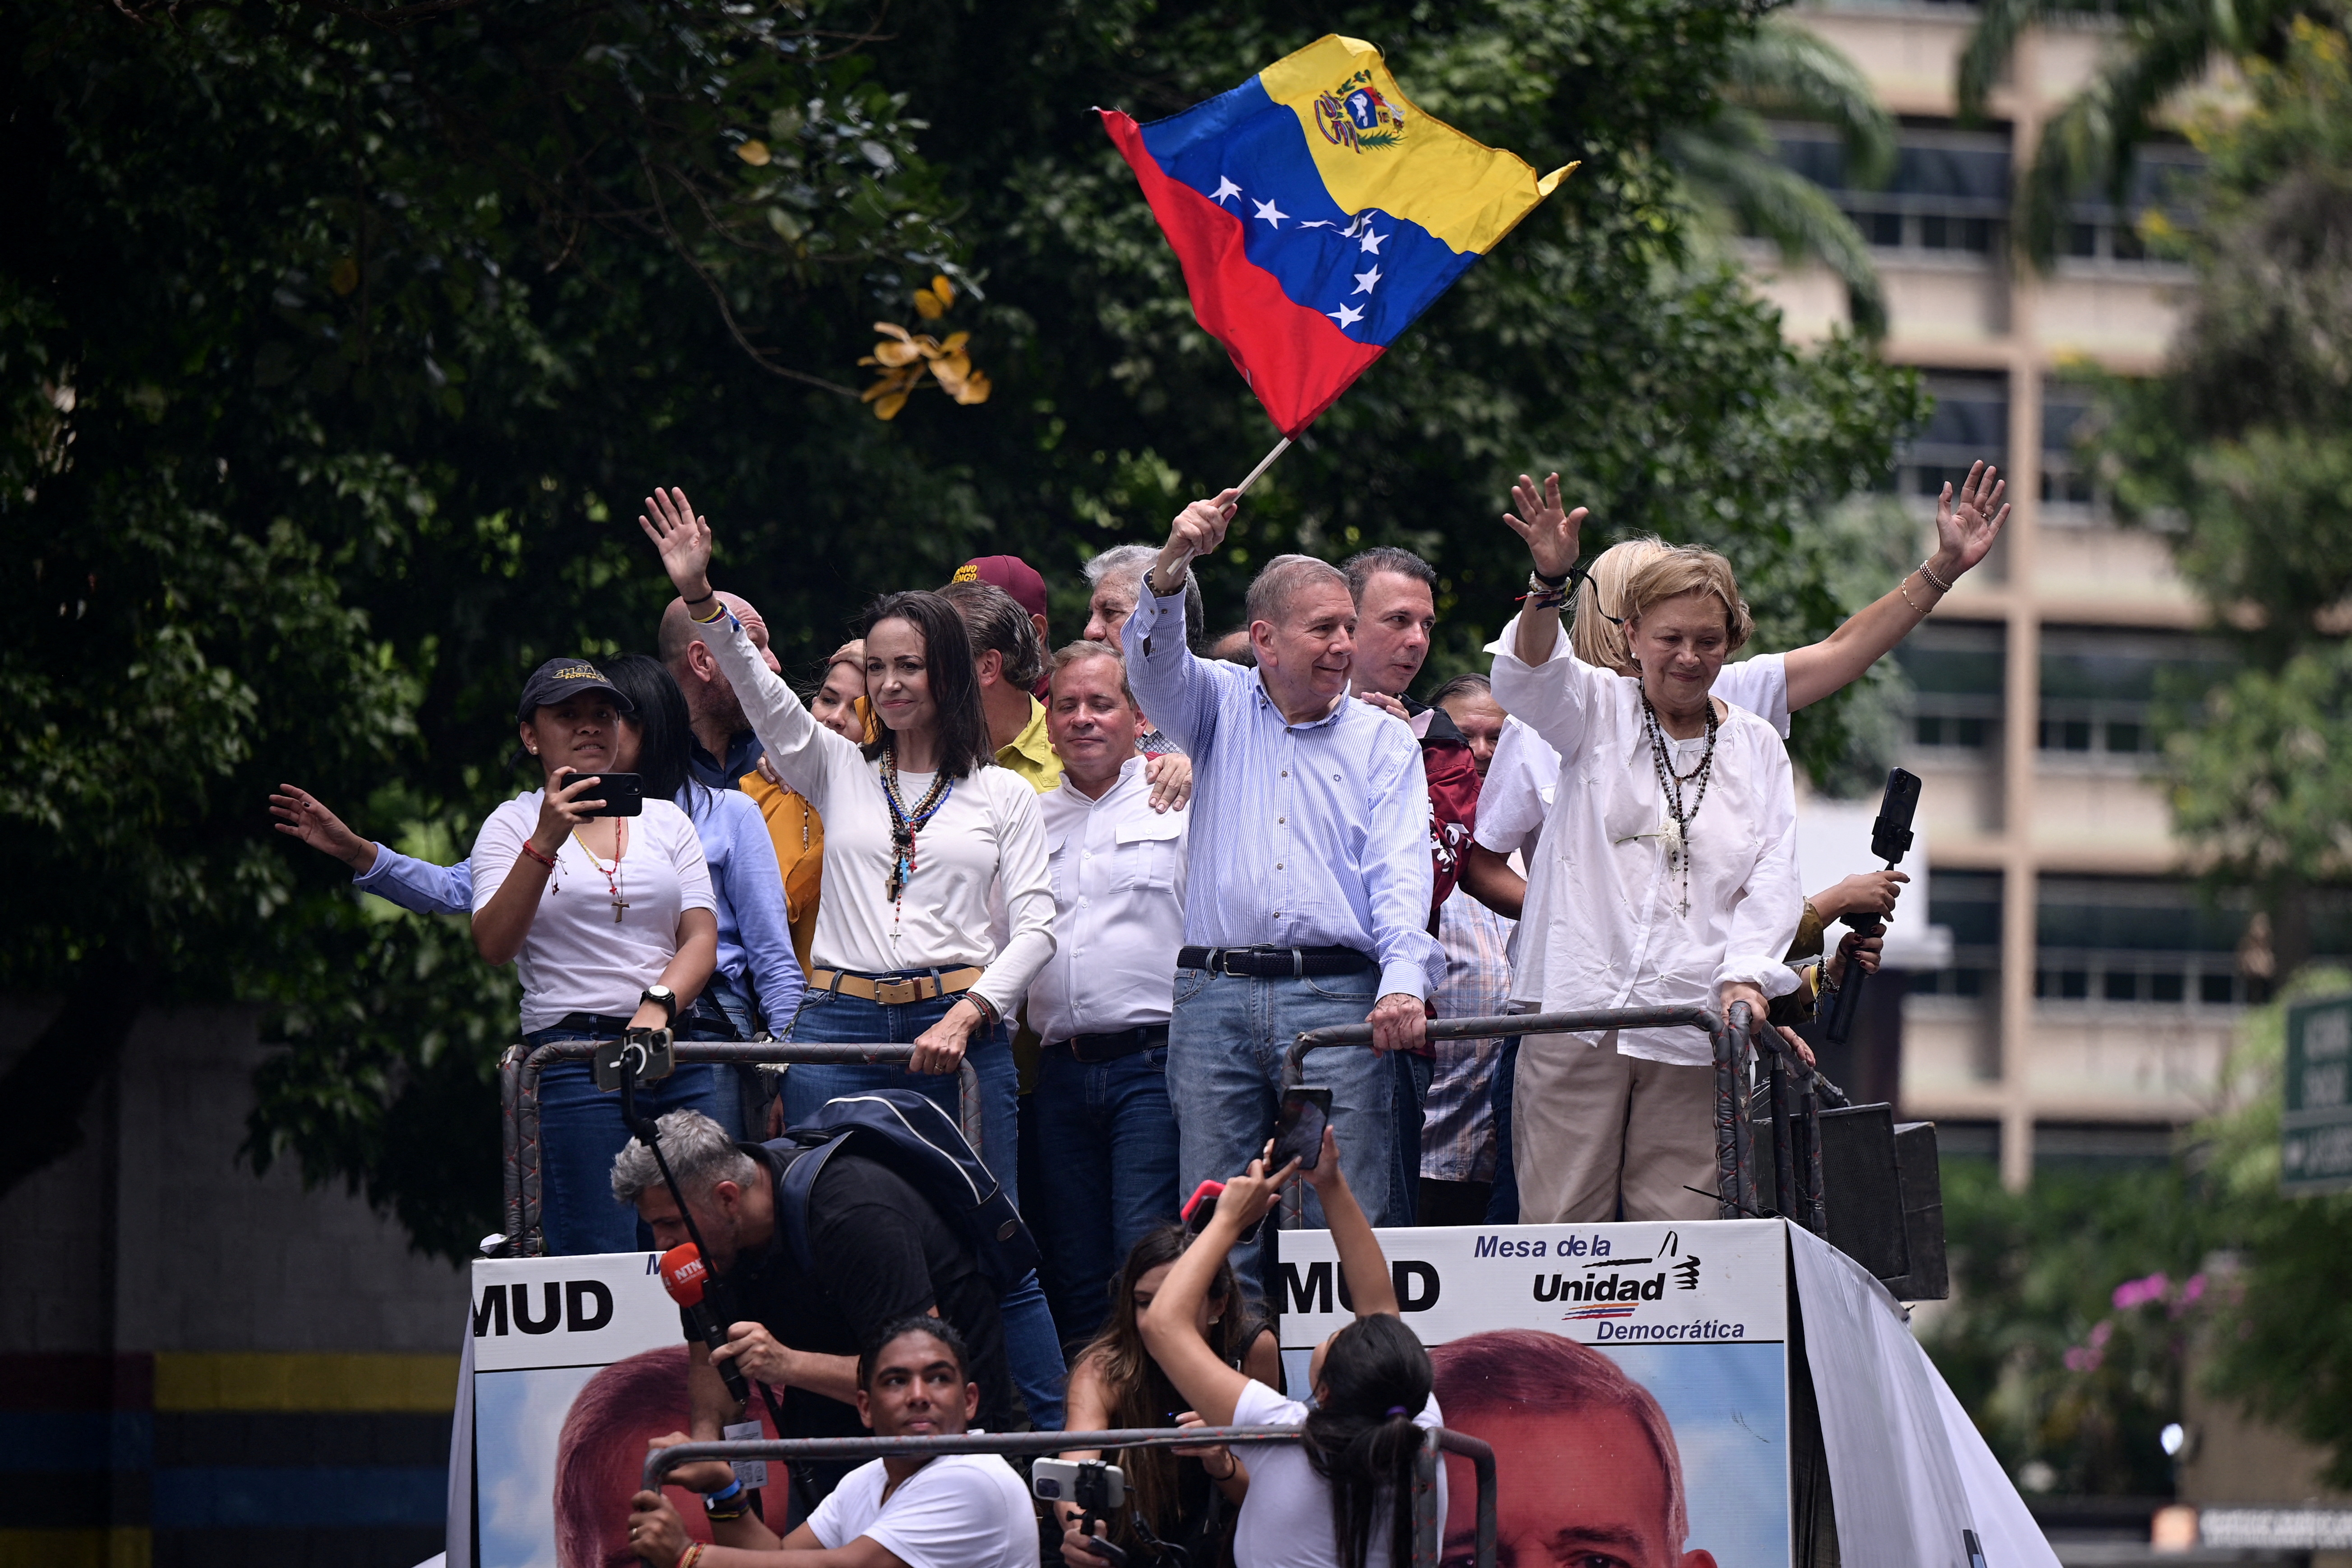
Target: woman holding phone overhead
x,y
609,921
1342,1497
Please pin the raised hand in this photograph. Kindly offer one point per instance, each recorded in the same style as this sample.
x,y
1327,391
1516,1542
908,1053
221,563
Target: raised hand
x,y
1967,524
683,539
1551,532
1198,529
300,815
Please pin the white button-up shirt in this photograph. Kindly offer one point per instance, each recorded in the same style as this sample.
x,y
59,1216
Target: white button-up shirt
x,y
1118,869
1603,925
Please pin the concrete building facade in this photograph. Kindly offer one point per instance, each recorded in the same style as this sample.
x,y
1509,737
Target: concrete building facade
x,y
2090,992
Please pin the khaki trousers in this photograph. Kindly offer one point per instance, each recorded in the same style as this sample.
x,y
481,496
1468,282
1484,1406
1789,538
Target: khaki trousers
x,y
1590,1128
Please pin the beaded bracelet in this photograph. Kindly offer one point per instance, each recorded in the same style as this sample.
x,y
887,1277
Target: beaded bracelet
x,y
1929,572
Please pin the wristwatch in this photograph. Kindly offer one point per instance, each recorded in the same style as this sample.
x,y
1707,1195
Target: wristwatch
x,y
663,997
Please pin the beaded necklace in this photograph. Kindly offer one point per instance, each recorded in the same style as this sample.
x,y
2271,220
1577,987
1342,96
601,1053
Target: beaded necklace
x,y
1670,785
906,823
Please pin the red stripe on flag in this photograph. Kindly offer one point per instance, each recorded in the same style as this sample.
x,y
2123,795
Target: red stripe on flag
x,y
1296,359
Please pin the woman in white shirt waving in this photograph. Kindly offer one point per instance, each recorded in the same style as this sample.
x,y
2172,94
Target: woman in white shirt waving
x,y
921,829
1342,1497
610,922
1665,876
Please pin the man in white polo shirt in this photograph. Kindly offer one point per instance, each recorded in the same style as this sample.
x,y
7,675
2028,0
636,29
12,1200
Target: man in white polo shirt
x,y
955,1510
1106,1136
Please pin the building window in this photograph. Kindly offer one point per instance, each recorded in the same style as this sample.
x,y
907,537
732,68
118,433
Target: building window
x,y
1969,903
1956,673
1969,425
2109,942
1948,197
2101,690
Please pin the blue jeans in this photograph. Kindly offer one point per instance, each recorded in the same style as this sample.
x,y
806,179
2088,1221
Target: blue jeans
x,y
1225,1048
827,1018
1408,1092
1503,1202
581,1131
1106,1153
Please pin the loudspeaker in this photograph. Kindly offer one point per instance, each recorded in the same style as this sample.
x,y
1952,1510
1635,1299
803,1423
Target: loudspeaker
x,y
1862,1183
1923,1214
1886,1197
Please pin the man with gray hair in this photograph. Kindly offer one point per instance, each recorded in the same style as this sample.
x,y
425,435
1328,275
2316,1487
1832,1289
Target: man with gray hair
x,y
880,1249
1309,891
1117,577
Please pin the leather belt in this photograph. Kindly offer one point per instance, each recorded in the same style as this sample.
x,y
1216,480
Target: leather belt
x,y
896,990
1096,1049
1275,962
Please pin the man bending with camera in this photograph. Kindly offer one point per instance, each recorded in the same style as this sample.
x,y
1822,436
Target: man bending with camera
x,y
953,1511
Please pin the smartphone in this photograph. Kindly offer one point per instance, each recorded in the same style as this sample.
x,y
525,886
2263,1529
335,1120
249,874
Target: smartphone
x,y
1298,1132
1092,1484
624,795
1201,1208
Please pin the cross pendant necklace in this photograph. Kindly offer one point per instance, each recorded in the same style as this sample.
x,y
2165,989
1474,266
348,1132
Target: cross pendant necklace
x,y
611,872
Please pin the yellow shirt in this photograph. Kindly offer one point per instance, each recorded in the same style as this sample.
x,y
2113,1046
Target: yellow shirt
x,y
798,833
1031,754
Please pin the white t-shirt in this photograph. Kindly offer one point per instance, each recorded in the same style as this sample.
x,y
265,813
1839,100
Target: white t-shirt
x,y
1286,1520
577,958
961,1511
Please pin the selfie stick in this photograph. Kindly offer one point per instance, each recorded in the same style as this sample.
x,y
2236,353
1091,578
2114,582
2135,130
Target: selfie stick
x,y
1890,840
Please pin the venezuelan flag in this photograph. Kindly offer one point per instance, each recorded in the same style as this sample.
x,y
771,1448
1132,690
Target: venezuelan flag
x,y
1318,213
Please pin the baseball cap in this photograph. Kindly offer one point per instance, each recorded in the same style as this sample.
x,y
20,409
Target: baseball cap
x,y
558,678
1013,574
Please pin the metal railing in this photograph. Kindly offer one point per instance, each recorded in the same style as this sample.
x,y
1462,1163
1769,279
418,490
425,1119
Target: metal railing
x,y
1773,1080
1428,1525
519,1107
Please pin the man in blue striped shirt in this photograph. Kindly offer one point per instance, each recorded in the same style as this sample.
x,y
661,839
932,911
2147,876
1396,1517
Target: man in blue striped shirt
x,y
1310,877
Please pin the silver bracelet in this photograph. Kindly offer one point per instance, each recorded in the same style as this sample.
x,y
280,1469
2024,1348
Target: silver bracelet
x,y
1933,581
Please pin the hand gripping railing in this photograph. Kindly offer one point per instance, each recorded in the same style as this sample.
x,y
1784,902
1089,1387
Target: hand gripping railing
x,y
519,1107
1428,1524
1791,1091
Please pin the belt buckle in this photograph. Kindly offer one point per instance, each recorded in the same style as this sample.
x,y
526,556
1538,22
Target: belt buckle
x,y
897,993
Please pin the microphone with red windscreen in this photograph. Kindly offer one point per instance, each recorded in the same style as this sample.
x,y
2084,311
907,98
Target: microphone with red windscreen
x,y
685,1277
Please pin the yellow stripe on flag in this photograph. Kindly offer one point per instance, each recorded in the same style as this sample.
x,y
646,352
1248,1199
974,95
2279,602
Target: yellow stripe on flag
x,y
1413,165
235,1380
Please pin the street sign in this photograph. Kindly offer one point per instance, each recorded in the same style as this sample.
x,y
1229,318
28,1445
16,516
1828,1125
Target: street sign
x,y
2316,1133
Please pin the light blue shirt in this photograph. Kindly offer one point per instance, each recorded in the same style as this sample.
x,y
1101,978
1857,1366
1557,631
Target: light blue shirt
x,y
748,884
1312,835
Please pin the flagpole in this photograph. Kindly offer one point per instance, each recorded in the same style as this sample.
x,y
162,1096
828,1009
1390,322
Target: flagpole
x,y
1263,465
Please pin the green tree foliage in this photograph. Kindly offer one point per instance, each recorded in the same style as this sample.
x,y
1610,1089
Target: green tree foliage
x,y
2086,1300
337,347
2240,448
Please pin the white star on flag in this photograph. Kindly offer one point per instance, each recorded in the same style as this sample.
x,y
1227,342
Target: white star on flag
x,y
1346,315
1226,187
1371,242
1272,214
1365,282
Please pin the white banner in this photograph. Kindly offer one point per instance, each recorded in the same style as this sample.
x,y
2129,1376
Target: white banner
x,y
1632,1378
578,1362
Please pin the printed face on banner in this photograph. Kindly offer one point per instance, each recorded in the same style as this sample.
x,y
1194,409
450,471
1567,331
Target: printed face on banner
x,y
1632,1380
579,1363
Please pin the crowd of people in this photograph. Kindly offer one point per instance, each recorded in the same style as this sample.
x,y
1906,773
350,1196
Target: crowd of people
x,y
1116,878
